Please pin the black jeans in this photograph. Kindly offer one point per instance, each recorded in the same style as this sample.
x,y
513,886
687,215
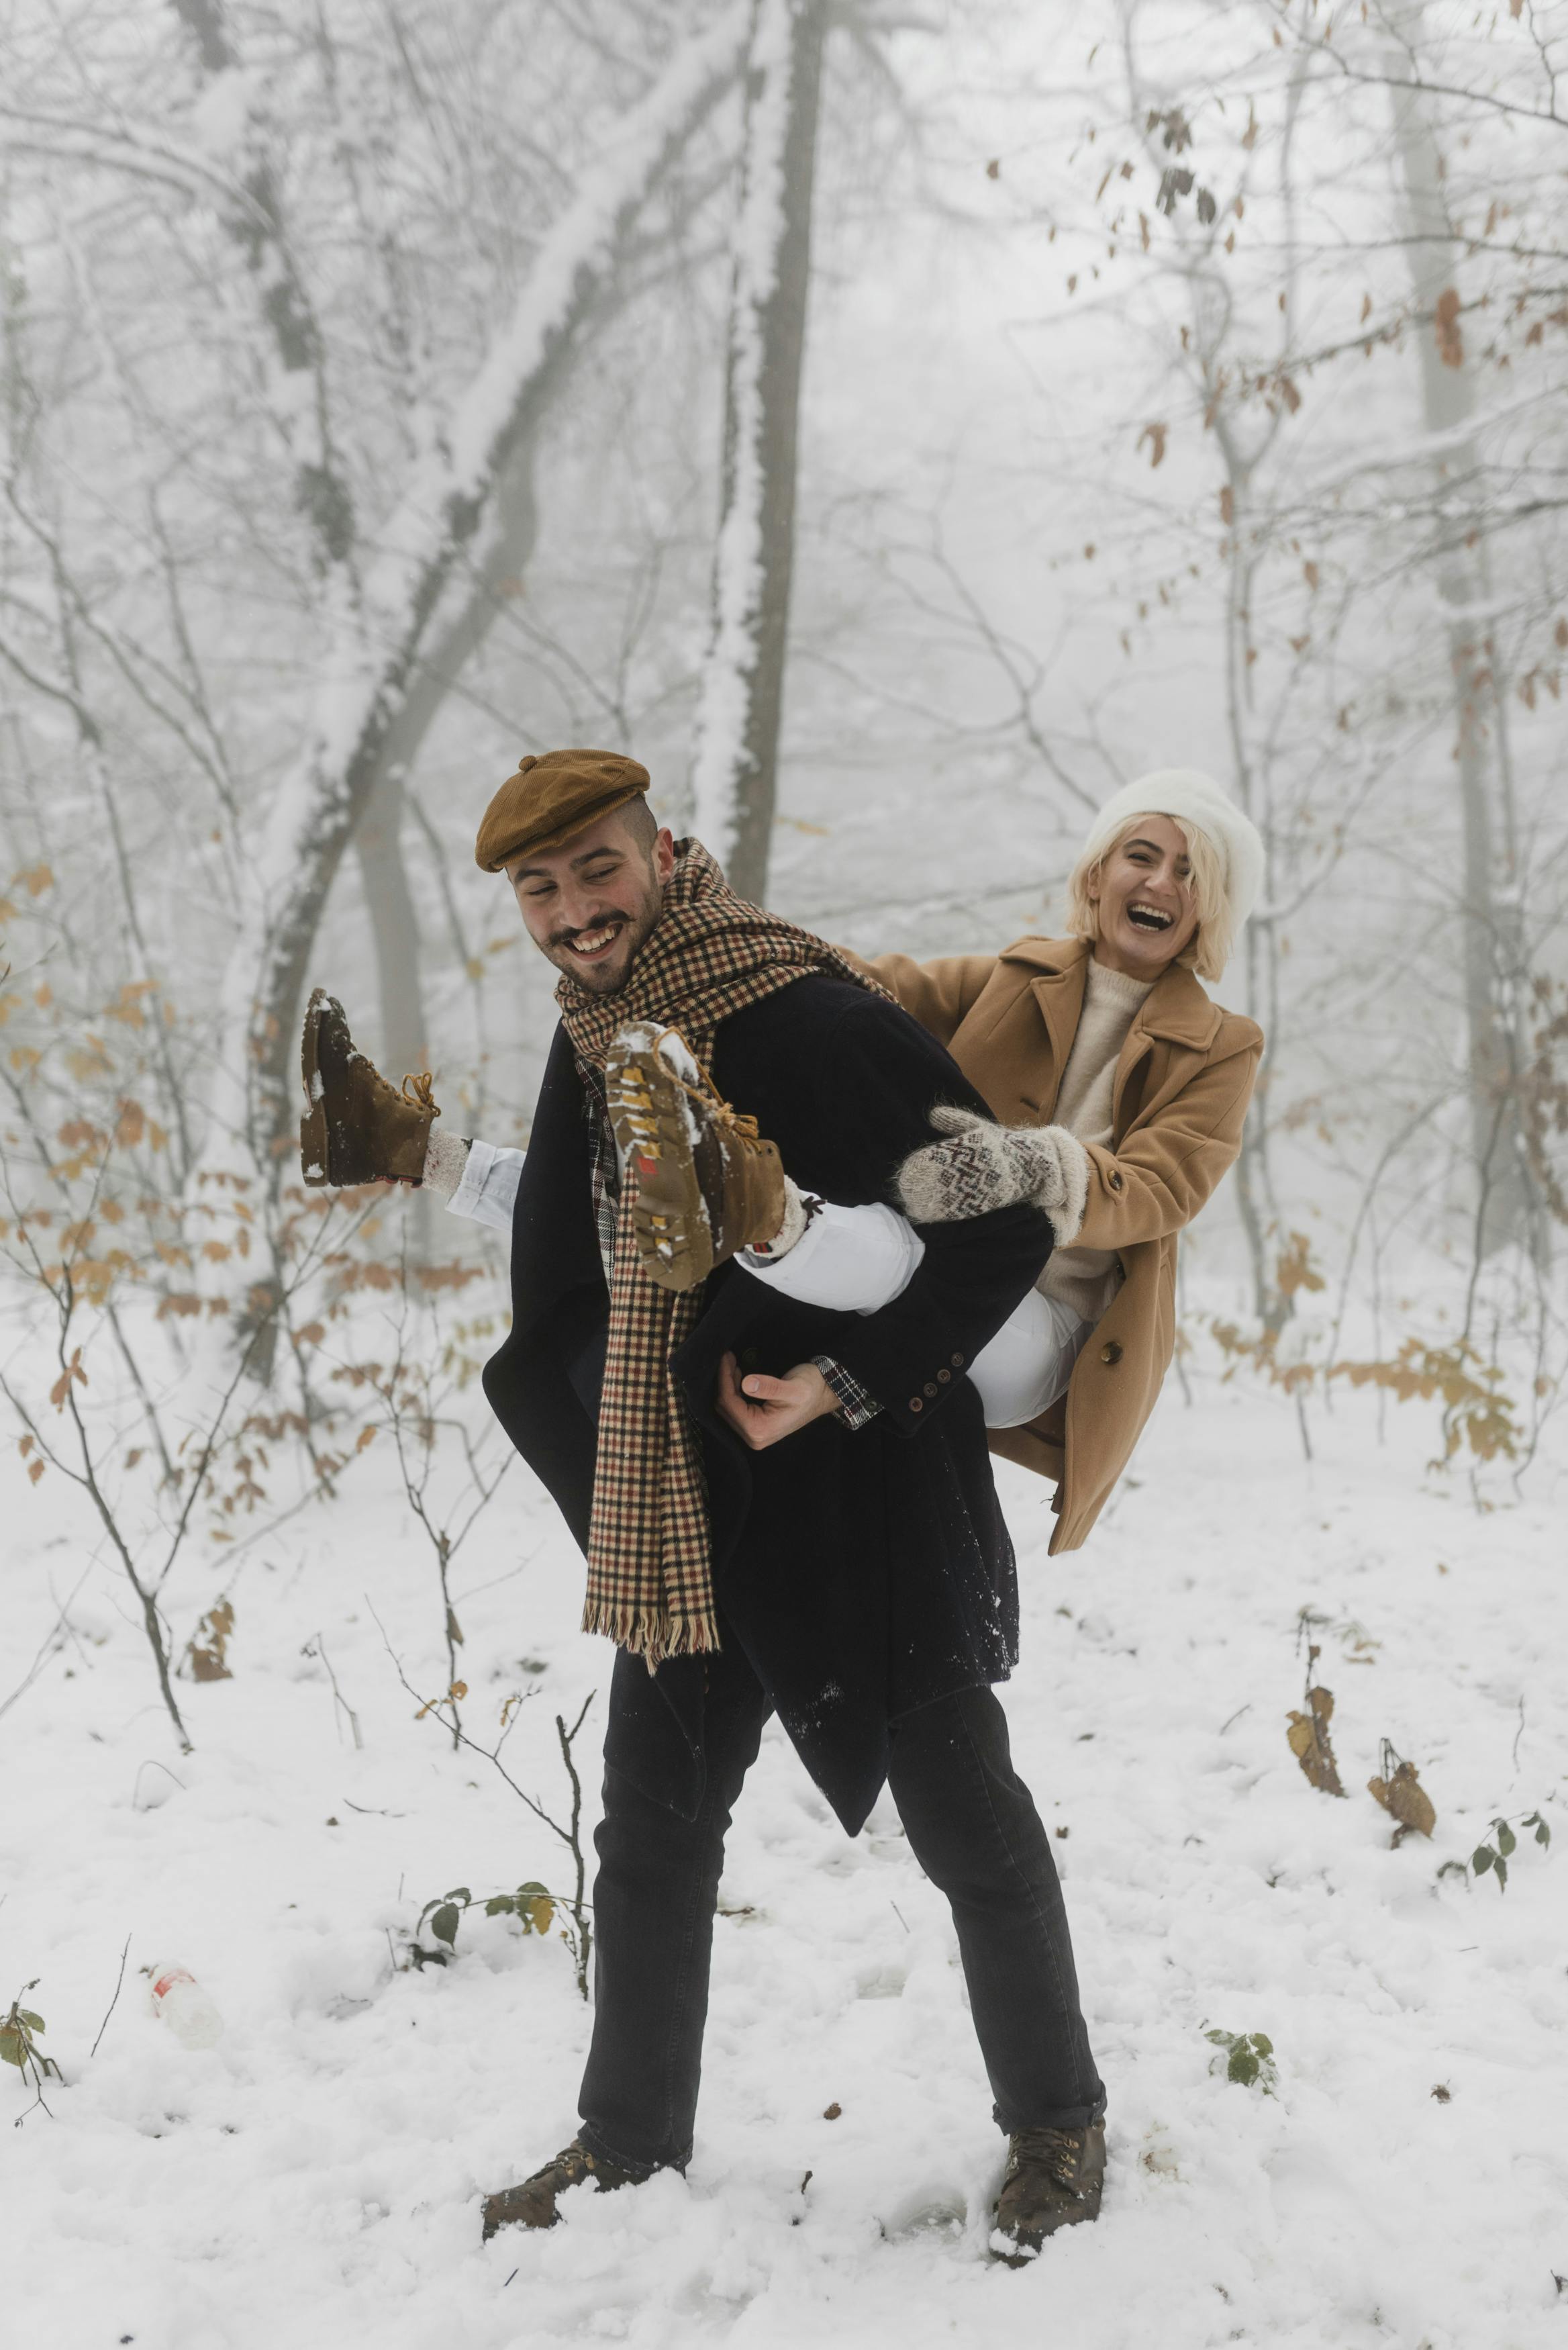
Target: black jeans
x,y
972,1826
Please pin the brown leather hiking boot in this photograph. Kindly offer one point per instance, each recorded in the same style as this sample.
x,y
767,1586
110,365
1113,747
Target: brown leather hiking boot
x,y
356,1128
707,1184
1052,2179
533,2205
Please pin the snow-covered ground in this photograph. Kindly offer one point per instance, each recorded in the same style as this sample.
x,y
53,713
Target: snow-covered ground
x,y
315,2180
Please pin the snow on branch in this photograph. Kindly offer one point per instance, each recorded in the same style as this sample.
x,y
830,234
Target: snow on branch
x,y
66,139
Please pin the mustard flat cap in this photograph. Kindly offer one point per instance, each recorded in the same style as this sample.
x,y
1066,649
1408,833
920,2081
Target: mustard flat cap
x,y
551,798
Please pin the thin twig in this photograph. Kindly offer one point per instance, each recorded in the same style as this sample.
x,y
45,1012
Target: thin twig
x,y
120,1978
340,1702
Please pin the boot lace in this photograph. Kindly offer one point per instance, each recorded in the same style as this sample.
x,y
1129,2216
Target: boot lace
x,y
1055,2150
419,1092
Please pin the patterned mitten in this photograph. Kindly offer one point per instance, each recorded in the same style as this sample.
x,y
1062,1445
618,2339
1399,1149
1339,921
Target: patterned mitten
x,y
980,1166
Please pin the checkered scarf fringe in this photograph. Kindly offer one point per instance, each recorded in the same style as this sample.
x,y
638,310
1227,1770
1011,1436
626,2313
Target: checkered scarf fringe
x,y
650,1578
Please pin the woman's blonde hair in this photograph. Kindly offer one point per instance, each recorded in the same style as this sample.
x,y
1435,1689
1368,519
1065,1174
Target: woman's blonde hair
x,y
1209,949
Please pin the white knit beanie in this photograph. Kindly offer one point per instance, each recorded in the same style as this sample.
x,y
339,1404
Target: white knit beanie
x,y
1195,799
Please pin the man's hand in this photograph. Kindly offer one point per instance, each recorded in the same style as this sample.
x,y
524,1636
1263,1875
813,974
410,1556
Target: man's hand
x,y
762,1411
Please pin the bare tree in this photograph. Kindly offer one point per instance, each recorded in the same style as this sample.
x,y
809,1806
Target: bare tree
x,y
1494,972
735,777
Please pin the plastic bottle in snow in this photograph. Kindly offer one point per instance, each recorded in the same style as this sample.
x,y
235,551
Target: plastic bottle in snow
x,y
185,2007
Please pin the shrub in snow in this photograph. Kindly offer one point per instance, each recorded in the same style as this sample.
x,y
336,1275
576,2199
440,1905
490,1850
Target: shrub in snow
x,y
1247,2057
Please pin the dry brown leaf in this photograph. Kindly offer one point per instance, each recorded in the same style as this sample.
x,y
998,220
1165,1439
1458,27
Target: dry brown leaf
x,y
1446,321
209,1642
1403,1797
1308,1735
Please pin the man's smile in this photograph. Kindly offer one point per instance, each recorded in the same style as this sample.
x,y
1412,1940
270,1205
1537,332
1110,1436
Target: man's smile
x,y
592,945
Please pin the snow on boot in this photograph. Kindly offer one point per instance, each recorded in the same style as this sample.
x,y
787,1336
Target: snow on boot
x,y
356,1128
533,2205
706,1183
1052,2179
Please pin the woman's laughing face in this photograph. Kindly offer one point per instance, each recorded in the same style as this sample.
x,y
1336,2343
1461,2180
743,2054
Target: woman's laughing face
x,y
1148,905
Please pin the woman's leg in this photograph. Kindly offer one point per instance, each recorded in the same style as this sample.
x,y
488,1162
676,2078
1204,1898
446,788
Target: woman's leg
x,y
1023,1369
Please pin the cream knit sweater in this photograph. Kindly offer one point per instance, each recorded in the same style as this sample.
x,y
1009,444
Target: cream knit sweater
x,y
1083,1278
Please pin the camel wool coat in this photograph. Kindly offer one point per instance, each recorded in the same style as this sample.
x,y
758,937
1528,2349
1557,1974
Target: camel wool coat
x,y
1182,1085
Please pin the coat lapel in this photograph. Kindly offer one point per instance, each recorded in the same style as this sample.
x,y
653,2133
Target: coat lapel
x,y
1060,967
1175,1013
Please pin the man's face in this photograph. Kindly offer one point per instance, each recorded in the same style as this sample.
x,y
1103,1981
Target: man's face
x,y
589,904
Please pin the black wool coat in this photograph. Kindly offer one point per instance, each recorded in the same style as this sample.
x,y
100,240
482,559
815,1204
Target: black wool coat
x,y
864,1571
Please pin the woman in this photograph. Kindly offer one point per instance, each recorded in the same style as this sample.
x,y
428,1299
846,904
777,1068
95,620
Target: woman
x,y
1119,1092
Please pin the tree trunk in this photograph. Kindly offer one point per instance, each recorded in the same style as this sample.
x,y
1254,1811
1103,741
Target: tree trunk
x,y
394,930
394,920
1491,948
735,775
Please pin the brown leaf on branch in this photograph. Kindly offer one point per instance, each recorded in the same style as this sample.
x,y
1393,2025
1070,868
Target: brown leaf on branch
x,y
209,1643
1309,1743
1446,324
1155,435
62,1385
1402,1795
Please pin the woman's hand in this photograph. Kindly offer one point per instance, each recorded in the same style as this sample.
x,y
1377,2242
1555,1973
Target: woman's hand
x,y
762,1411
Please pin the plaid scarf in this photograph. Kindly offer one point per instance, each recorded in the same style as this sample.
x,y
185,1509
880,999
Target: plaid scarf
x,y
650,1580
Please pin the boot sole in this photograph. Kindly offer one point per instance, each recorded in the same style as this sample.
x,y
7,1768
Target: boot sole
x,y
672,1232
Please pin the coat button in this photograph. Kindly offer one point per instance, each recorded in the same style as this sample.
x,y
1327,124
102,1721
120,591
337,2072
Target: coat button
x,y
958,1362
931,1387
1115,1180
1111,1352
915,1404
944,1376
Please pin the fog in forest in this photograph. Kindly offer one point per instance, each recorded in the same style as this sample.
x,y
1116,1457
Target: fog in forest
x,y
897,424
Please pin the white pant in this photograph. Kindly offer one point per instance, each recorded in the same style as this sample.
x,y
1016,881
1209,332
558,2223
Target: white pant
x,y
857,1259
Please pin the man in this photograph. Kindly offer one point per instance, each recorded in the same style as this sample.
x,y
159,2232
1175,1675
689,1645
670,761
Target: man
x,y
783,1508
